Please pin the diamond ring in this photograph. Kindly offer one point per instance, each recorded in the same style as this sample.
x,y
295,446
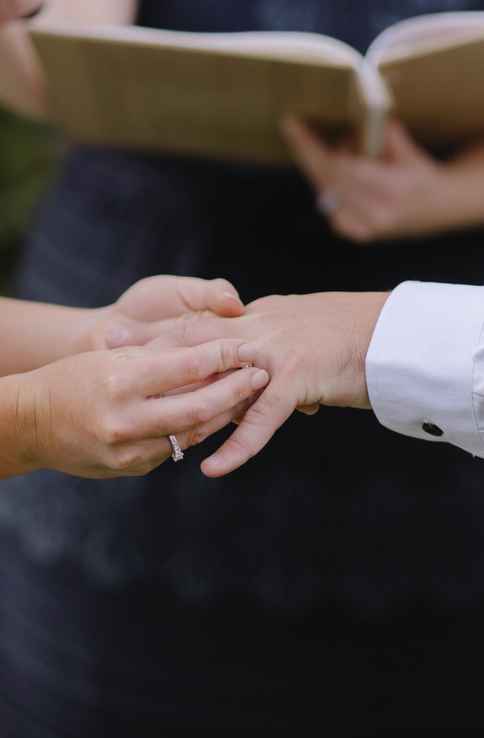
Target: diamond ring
x,y
176,451
328,202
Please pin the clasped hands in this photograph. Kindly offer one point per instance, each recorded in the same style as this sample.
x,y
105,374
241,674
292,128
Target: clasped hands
x,y
184,356
169,356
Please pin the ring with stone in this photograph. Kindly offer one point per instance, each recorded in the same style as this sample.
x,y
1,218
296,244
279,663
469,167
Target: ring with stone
x,y
176,450
328,202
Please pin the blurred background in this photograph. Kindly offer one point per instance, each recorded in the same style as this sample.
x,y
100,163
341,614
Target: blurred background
x,y
28,156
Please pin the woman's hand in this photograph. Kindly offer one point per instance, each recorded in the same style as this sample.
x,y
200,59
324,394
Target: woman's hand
x,y
37,334
108,413
13,9
314,348
133,320
404,194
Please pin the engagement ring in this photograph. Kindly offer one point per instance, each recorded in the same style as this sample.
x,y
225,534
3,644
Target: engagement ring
x,y
176,452
328,202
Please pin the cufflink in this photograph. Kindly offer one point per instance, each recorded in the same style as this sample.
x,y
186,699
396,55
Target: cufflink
x,y
432,430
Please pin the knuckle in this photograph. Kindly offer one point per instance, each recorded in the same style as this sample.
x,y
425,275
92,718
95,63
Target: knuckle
x,y
381,220
222,283
196,436
360,233
116,386
227,356
201,412
194,363
241,447
112,432
126,460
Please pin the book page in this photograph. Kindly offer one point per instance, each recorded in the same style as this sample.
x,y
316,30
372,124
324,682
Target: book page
x,y
290,45
425,33
220,95
433,67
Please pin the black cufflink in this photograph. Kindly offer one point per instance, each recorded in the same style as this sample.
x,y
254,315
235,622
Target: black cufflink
x,y
432,430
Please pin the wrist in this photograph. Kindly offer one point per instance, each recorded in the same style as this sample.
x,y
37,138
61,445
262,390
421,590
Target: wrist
x,y
20,426
368,307
86,335
460,196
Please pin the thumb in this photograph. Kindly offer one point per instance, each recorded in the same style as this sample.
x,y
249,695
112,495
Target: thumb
x,y
221,297
400,145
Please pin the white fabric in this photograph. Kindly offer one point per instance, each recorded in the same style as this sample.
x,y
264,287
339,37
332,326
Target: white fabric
x,y
425,363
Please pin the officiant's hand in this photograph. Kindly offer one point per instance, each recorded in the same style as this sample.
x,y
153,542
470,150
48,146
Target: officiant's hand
x,y
313,347
405,193
133,320
12,9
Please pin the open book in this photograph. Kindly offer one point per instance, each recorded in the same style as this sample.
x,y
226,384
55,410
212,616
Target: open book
x,y
224,95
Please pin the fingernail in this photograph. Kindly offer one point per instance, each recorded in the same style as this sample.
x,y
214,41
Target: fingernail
x,y
260,379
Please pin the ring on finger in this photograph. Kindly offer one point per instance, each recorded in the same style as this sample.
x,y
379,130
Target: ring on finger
x,y
328,201
176,450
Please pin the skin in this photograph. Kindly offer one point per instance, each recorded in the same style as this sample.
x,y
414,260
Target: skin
x,y
71,400
38,334
12,9
406,193
107,414
313,347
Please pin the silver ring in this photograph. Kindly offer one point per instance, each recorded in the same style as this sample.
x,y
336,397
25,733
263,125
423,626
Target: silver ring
x,y
328,202
176,451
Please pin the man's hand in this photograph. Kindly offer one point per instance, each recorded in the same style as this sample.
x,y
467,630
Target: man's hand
x,y
314,348
13,9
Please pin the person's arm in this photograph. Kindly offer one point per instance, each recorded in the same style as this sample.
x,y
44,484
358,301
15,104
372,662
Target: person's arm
x,y
33,334
406,193
107,414
22,85
425,364
416,356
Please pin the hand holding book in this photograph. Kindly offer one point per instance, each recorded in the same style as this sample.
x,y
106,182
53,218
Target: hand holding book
x,y
13,9
403,194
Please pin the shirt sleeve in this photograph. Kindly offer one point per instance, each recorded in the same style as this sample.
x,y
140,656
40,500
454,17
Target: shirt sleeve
x,y
425,364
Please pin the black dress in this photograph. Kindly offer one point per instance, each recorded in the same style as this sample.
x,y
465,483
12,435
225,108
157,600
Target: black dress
x,y
345,591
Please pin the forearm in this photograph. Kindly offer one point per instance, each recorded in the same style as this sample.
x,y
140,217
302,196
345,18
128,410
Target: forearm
x,y
35,334
22,86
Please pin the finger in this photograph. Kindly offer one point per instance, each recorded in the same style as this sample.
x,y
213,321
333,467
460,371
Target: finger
x,y
222,298
160,370
11,9
192,330
137,459
258,426
162,297
197,295
313,156
309,409
127,332
181,412
400,146
349,225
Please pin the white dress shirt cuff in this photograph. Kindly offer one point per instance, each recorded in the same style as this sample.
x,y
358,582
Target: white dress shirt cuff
x,y
425,364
